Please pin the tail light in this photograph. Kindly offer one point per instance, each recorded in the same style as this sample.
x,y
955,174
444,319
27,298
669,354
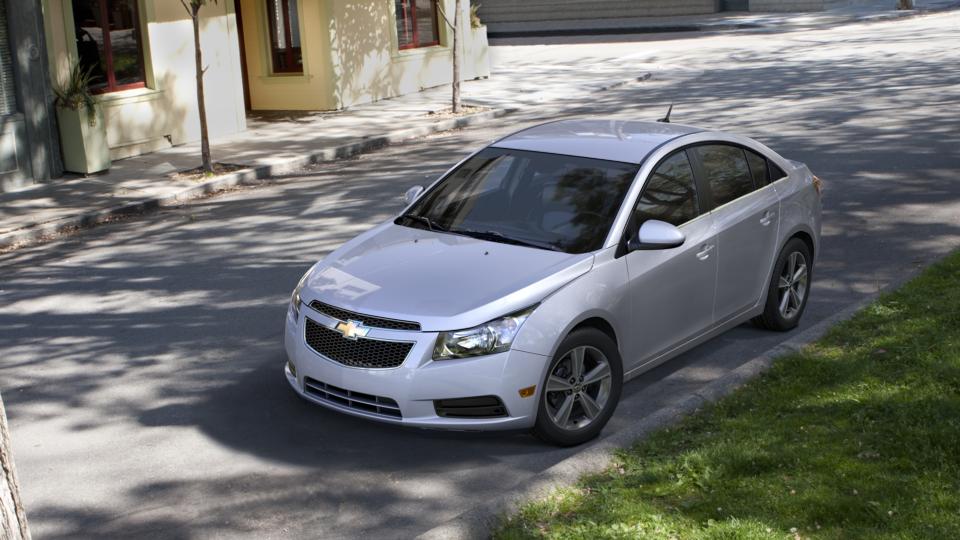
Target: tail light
x,y
818,185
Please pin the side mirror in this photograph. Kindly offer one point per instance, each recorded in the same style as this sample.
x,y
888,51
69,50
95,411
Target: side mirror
x,y
412,194
656,234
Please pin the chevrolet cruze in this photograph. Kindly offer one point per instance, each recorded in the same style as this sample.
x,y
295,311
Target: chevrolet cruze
x,y
522,288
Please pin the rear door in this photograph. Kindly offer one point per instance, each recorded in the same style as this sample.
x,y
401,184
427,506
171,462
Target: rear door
x,y
746,213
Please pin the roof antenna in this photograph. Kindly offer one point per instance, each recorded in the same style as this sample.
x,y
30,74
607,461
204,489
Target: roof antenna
x,y
666,119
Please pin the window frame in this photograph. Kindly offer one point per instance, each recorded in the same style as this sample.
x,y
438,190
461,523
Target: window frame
x,y
415,43
697,188
288,53
703,181
112,86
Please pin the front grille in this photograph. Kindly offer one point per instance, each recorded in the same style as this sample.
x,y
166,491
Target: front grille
x,y
473,407
362,352
367,320
348,398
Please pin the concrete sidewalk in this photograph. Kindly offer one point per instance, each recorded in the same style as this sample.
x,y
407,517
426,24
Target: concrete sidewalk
x,y
272,144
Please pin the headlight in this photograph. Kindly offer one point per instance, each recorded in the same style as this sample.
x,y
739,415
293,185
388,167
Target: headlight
x,y
295,297
489,338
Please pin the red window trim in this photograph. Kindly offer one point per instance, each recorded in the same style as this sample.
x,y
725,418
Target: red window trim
x,y
288,52
412,17
112,85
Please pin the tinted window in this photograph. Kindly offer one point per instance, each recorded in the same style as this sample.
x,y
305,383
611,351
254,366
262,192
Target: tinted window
x,y
552,201
669,195
776,173
727,172
758,168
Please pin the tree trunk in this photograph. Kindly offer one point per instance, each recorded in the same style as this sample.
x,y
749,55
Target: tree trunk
x,y
201,104
13,519
456,56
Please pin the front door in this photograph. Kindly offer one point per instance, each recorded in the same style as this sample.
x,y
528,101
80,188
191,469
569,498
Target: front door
x,y
671,290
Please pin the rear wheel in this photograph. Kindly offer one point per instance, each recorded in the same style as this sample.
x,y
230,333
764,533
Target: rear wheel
x,y
581,389
789,288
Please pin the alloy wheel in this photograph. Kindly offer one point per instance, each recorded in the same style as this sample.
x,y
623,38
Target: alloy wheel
x,y
792,286
578,388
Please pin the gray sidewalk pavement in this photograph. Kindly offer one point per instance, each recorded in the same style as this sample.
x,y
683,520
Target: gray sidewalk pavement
x,y
525,77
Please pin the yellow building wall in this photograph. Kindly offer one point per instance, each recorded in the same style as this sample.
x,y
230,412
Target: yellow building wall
x,y
367,65
351,57
164,113
284,91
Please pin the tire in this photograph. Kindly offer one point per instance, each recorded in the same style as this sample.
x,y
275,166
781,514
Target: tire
x,y
774,316
591,402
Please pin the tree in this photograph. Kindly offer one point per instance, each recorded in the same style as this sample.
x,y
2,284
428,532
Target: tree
x,y
455,30
13,519
193,8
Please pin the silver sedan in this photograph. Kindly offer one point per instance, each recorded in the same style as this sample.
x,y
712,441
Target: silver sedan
x,y
523,287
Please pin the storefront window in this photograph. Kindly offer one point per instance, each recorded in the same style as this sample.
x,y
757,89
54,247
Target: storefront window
x,y
285,36
109,43
417,23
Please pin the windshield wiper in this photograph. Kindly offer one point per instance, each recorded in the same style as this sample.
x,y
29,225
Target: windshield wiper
x,y
500,237
431,224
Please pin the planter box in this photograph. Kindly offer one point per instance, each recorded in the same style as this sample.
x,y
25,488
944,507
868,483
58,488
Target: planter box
x,y
83,143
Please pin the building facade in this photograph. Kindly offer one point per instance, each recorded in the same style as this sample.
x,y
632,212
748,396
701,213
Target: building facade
x,y
28,143
331,54
259,54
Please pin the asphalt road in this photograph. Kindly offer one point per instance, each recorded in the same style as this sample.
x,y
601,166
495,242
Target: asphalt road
x,y
141,361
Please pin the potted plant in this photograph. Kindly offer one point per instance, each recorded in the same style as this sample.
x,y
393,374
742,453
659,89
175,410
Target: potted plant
x,y
83,134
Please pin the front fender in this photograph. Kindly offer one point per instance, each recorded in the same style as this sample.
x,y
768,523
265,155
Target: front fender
x,y
599,293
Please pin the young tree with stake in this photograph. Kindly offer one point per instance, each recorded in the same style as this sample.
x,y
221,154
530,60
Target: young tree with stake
x,y
455,29
193,8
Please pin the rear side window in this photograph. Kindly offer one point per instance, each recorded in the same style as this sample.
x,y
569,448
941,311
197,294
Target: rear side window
x,y
669,194
758,168
727,172
776,173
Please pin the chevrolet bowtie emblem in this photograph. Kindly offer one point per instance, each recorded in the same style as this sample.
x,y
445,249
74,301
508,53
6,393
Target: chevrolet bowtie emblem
x,y
352,329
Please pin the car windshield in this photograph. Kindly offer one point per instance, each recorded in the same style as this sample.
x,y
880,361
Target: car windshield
x,y
548,201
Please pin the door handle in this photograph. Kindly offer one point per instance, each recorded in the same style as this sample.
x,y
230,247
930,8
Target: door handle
x,y
704,252
767,218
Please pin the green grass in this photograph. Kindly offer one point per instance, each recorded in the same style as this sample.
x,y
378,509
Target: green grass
x,y
858,436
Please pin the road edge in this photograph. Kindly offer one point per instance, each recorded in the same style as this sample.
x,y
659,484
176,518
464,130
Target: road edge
x,y
482,519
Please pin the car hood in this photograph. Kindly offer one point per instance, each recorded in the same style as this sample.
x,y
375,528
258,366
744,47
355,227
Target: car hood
x,y
443,281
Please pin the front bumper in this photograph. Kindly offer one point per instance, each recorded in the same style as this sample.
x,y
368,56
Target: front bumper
x,y
416,383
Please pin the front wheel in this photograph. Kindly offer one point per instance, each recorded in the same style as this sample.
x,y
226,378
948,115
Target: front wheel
x,y
581,389
789,288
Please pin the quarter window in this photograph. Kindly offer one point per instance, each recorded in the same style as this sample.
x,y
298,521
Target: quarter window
x,y
727,172
285,52
758,168
669,194
776,173
109,43
417,23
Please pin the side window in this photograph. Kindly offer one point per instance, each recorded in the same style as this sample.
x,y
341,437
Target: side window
x,y
670,194
727,172
758,168
776,173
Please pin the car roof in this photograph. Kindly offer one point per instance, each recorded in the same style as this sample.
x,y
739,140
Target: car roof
x,y
627,141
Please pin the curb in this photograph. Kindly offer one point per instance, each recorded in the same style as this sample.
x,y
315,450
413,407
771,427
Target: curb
x,y
480,521
40,232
